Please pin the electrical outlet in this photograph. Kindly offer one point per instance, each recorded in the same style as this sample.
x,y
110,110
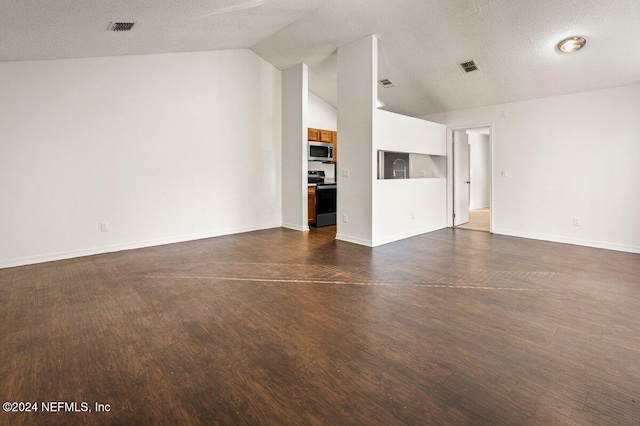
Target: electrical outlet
x,y
504,173
345,218
346,173
577,221
423,173
104,226
505,113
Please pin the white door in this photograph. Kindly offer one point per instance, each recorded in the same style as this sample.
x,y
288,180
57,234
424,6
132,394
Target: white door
x,y
461,188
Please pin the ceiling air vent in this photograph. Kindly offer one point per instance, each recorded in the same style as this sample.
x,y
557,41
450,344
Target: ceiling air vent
x,y
121,26
469,66
386,83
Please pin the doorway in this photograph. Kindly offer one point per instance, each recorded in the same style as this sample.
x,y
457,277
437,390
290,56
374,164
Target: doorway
x,y
471,178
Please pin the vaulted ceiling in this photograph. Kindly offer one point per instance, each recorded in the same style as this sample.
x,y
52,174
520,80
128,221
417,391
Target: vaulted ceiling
x,y
421,42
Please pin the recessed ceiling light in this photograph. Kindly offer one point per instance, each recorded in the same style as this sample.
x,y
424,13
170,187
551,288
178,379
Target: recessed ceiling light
x,y
571,44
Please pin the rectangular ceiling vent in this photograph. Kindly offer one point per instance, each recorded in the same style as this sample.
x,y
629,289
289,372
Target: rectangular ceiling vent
x,y
121,26
386,83
469,66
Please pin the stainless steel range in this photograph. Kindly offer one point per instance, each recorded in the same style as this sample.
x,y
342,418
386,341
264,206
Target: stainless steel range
x,y
326,198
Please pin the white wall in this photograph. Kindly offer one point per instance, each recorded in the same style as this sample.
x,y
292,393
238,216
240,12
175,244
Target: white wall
x,y
381,211
322,116
479,171
295,91
427,166
164,148
357,96
567,156
406,207
397,132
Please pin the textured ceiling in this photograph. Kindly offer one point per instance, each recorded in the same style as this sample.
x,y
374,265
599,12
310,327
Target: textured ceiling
x,y
421,42
51,29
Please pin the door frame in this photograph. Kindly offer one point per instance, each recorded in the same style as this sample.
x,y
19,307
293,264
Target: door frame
x,y
450,192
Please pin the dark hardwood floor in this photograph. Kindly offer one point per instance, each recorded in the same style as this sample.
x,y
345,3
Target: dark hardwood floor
x,y
280,327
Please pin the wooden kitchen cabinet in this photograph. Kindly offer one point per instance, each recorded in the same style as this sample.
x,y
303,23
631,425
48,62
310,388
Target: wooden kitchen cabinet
x,y
325,135
334,141
311,200
314,134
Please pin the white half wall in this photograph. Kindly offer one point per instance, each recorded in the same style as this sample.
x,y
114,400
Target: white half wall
x,y
295,103
407,207
479,171
565,157
357,96
164,148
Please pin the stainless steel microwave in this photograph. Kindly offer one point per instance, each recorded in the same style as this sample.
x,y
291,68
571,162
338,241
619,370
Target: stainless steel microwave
x,y
320,151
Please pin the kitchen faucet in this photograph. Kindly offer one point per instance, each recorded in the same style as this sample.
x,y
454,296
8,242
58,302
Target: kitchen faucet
x,y
404,168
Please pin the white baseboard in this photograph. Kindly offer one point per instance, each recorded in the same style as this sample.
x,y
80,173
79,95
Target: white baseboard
x,y
354,240
402,236
50,257
295,227
162,241
574,241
